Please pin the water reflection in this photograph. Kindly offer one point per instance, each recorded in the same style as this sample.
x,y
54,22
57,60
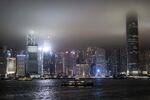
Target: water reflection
x,y
104,89
45,90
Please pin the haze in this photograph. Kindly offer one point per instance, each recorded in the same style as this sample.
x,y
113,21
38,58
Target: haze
x,y
72,23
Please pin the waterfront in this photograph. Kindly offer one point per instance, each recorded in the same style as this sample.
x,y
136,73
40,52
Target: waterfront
x,y
104,89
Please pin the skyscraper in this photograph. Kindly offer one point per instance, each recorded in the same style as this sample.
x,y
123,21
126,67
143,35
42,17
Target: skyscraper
x,y
68,62
32,50
48,64
113,62
132,43
21,63
3,62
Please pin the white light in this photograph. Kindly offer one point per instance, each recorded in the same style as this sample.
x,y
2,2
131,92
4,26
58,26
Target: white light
x,y
40,48
73,52
31,32
21,55
9,54
66,52
144,72
46,49
98,70
127,72
135,72
11,72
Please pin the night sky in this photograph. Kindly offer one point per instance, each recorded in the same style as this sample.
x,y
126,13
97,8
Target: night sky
x,y
73,22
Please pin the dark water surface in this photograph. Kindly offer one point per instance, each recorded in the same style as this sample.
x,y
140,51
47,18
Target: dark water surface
x,y
104,89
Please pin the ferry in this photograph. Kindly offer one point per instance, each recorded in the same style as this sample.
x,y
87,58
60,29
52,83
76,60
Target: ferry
x,y
77,83
25,79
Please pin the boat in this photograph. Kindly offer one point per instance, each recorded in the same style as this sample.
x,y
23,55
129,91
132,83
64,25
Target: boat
x,y
77,83
25,79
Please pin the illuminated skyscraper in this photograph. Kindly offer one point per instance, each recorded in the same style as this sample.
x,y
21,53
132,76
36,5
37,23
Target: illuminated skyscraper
x,y
32,49
21,63
59,63
100,68
68,62
11,65
132,43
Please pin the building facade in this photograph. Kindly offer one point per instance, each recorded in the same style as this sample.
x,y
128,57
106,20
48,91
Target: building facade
x,y
32,54
132,43
144,58
11,66
3,62
59,63
21,61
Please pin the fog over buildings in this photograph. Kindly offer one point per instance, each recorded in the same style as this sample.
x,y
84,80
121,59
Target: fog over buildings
x,y
72,23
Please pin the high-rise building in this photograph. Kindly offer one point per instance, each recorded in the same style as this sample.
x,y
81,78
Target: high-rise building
x,y
123,60
47,58
116,61
10,63
68,62
82,71
132,43
49,63
11,66
59,63
144,59
32,50
21,64
113,62
2,62
100,67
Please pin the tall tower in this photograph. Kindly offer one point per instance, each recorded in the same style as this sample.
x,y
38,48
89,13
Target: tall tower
x,y
48,59
132,43
31,39
32,50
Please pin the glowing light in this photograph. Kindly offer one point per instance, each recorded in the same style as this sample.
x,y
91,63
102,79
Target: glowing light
x,y
40,48
21,55
11,72
46,49
127,72
67,52
73,52
9,54
144,72
98,70
135,72
31,32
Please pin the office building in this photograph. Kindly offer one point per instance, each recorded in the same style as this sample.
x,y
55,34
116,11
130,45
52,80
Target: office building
x,y
32,54
132,43
3,62
21,61
11,66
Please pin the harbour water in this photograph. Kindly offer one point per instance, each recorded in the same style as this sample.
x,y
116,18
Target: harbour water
x,y
103,89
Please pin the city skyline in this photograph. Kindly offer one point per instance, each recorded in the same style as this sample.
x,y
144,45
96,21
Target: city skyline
x,y
77,24
74,49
